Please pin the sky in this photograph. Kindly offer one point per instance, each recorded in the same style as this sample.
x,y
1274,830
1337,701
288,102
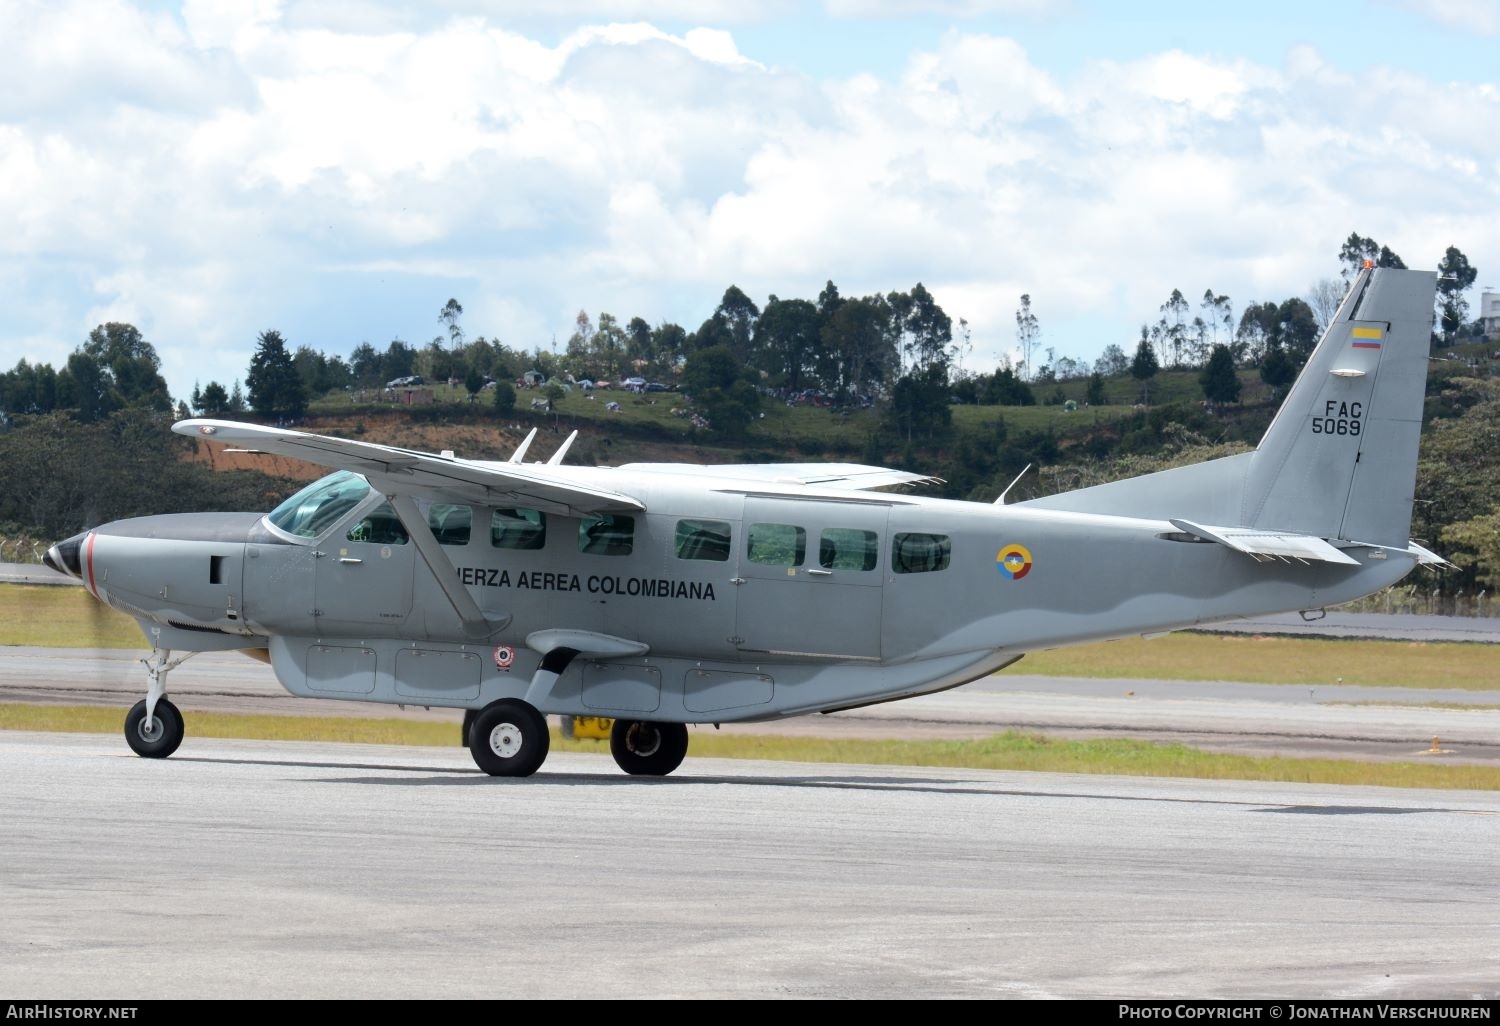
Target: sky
x,y
336,170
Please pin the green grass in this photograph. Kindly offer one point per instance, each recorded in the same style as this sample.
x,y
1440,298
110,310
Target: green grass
x,y
1008,751
56,616
1265,659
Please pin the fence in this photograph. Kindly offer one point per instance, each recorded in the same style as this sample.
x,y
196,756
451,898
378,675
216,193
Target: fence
x,y
1415,599
23,549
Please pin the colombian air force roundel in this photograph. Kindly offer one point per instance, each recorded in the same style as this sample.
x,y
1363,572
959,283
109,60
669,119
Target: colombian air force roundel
x,y
504,656
1013,562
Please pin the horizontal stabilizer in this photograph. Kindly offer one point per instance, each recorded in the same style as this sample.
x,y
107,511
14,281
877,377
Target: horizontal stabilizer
x,y
1426,557
1266,545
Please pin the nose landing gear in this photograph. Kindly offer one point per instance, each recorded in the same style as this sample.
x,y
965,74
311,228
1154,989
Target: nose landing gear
x,y
154,727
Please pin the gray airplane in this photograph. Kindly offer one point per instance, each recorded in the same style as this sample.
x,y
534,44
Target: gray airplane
x,y
663,595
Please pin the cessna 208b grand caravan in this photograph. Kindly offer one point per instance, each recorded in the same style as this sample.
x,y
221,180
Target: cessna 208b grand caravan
x,y
664,595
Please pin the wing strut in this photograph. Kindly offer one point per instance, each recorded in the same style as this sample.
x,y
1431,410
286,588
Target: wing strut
x,y
476,625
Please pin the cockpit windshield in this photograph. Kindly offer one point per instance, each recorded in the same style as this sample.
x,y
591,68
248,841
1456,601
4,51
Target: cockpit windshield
x,y
315,508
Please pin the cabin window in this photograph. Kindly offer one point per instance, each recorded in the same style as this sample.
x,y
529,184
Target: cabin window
x,y
450,524
703,539
848,548
775,544
318,506
380,526
518,529
610,535
920,553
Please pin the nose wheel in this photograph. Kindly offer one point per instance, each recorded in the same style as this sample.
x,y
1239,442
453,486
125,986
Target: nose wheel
x,y
157,737
647,749
153,727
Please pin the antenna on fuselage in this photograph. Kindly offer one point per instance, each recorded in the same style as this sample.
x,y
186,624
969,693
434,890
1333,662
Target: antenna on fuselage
x,y
562,450
521,449
1001,501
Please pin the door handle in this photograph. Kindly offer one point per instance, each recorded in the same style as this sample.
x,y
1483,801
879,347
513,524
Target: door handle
x,y
819,572
348,560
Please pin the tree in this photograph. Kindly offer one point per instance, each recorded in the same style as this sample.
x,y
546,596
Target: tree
x,y
1455,276
1144,367
1476,543
1005,388
1323,298
1297,329
739,314
276,390
213,401
473,382
923,332
1357,249
1173,331
669,343
1095,394
919,405
1221,384
449,315
856,350
399,361
640,344
720,386
1277,369
786,341
1028,331
130,367
1112,362
607,348
505,397
88,383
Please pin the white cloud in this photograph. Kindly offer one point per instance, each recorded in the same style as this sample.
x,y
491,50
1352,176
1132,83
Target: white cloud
x,y
943,8
1481,16
235,171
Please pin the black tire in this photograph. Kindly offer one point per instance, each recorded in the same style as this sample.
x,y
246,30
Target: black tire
x,y
644,748
509,738
166,730
470,715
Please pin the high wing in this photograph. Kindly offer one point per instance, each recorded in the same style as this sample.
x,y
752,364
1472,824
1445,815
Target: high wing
x,y
837,476
395,471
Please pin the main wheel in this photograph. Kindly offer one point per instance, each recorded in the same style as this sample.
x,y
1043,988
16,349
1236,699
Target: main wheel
x,y
648,749
164,735
509,738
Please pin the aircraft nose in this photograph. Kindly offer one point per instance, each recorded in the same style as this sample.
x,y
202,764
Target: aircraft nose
x,y
63,557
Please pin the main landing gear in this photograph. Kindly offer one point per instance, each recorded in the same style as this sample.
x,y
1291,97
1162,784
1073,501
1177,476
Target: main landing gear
x,y
509,738
154,727
646,749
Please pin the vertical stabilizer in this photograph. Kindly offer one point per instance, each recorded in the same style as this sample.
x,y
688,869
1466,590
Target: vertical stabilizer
x,y
1340,459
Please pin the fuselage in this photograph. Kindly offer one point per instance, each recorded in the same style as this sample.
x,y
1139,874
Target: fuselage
x,y
750,602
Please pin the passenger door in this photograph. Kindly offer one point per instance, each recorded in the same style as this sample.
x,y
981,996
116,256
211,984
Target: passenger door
x,y
811,576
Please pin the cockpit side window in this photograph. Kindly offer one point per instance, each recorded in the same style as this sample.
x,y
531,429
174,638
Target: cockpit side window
x,y
319,506
380,526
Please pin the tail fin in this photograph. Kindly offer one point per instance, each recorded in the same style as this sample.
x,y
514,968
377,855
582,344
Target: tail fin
x,y
1339,461
1340,458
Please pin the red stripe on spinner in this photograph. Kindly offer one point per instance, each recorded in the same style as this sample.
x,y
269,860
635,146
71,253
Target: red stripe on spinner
x,y
88,565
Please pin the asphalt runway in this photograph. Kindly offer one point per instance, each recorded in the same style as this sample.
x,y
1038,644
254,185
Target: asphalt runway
x,y
258,870
1350,722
